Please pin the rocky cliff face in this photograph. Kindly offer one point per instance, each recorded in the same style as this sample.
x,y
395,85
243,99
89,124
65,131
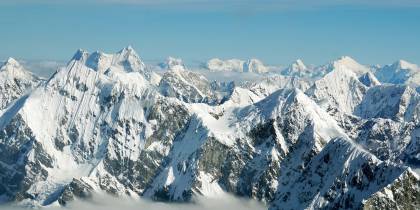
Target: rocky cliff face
x,y
403,193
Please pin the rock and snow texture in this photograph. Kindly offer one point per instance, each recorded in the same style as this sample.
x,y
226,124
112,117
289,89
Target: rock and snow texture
x,y
397,102
107,124
339,89
271,84
193,87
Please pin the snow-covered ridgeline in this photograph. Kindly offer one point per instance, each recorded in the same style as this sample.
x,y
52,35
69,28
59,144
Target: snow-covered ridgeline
x,y
106,123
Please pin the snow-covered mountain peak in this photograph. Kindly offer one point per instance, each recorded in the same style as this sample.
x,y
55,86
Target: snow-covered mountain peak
x,y
98,61
129,48
402,64
15,81
297,68
128,52
340,88
283,101
298,64
80,55
400,72
351,64
346,60
11,61
126,59
14,70
129,58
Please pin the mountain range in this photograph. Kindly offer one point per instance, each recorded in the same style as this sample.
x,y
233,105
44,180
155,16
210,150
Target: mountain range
x,y
338,136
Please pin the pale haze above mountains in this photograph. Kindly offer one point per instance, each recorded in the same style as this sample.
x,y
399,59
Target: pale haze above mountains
x,y
45,68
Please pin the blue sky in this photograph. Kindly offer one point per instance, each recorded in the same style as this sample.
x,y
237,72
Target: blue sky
x,y
277,32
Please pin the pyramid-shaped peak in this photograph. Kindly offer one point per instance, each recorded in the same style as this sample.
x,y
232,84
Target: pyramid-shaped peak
x,y
15,70
129,50
11,62
349,63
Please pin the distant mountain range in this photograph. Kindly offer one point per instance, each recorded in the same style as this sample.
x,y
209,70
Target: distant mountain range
x,y
337,136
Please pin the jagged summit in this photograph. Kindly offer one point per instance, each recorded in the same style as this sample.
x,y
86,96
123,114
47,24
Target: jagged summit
x,y
128,52
128,48
80,55
126,59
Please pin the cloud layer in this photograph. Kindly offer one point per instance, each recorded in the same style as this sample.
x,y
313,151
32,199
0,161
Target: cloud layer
x,y
43,68
104,202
